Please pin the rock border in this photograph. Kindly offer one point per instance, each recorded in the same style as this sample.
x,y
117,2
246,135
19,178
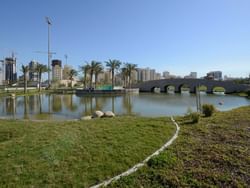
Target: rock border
x,y
139,165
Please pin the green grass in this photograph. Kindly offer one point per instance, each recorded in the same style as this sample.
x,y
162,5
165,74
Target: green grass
x,y
76,153
21,93
213,153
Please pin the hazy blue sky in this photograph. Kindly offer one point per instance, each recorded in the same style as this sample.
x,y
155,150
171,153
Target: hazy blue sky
x,y
174,35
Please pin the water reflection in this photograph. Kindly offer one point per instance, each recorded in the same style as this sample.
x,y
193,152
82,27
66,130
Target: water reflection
x,y
56,103
49,106
10,106
92,103
127,104
26,112
69,104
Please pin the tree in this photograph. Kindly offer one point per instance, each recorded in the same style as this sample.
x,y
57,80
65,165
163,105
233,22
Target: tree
x,y
129,68
85,69
124,74
93,66
25,70
40,69
97,71
113,65
72,73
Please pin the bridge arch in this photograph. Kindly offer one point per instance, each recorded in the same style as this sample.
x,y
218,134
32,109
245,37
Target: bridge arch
x,y
218,89
169,88
184,88
201,88
155,89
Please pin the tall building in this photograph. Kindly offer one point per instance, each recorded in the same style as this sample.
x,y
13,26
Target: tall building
x,y
2,72
10,70
166,74
191,75
33,75
139,74
134,76
146,74
152,74
214,75
158,76
56,69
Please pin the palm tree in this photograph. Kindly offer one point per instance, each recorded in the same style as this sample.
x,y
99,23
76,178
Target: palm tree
x,y
130,68
85,69
40,69
113,65
72,73
93,65
97,71
124,74
25,70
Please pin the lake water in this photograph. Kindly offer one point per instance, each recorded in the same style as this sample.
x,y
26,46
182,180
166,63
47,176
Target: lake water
x,y
63,107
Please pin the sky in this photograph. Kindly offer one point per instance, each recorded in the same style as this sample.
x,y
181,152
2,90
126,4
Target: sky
x,y
178,36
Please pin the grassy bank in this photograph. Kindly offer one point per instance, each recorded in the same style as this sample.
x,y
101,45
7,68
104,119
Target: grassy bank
x,y
76,154
212,153
21,93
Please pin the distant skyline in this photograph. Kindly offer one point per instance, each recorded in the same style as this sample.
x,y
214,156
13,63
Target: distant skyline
x,y
180,36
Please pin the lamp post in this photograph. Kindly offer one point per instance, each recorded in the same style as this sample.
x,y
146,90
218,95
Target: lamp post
x,y
49,54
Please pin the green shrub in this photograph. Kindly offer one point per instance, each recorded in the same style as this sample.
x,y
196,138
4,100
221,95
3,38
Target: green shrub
x,y
248,93
194,116
208,109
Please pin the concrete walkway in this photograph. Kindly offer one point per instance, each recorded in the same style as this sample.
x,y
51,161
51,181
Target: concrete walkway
x,y
139,165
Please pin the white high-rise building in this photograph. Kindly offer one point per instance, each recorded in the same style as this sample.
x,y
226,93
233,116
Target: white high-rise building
x,y
2,72
166,74
56,69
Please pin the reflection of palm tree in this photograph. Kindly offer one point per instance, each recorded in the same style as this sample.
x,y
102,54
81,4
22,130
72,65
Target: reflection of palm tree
x,y
99,102
40,104
25,115
127,104
66,101
10,105
113,104
57,103
49,103
73,107
88,106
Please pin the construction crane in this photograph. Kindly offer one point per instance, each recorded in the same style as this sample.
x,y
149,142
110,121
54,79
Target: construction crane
x,y
42,52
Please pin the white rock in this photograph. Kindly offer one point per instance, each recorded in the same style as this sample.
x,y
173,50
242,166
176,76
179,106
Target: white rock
x,y
86,118
97,114
109,114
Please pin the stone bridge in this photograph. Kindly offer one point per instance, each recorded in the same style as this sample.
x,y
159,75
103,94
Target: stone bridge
x,y
229,86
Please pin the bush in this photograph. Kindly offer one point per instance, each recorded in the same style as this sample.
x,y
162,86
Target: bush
x,y
194,116
248,93
208,109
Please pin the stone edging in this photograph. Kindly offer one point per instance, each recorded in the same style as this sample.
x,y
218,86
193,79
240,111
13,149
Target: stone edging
x,y
139,165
